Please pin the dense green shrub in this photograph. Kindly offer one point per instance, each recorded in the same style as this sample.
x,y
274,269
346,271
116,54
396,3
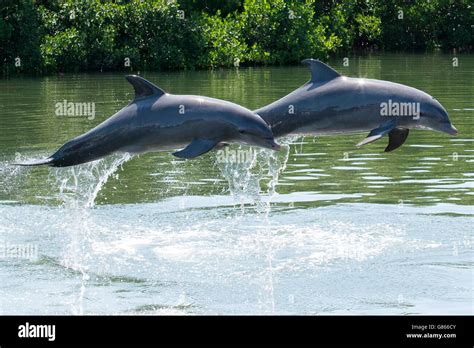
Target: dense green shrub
x,y
20,35
98,35
454,22
426,24
95,35
223,41
79,36
224,7
406,25
282,32
163,38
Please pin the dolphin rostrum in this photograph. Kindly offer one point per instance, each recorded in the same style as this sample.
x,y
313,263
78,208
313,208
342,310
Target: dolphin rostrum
x,y
331,104
158,121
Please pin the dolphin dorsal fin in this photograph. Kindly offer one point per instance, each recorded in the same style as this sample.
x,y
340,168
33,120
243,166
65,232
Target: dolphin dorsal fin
x,y
320,72
143,88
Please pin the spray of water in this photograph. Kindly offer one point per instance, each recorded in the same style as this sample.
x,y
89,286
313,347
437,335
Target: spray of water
x,y
78,190
254,179
80,185
12,177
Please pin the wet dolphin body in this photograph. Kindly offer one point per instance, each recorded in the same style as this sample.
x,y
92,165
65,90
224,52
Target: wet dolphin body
x,y
332,104
158,121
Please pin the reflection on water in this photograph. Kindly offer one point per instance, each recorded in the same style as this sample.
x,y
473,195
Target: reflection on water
x,y
31,128
320,227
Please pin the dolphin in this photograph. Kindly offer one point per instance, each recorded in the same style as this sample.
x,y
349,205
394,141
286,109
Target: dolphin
x,y
332,104
158,121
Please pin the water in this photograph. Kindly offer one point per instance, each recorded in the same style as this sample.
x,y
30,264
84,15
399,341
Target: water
x,y
320,228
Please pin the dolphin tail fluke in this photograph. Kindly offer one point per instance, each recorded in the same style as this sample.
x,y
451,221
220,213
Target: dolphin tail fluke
x,y
39,162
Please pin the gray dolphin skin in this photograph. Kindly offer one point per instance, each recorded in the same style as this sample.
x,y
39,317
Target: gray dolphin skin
x,y
332,104
158,121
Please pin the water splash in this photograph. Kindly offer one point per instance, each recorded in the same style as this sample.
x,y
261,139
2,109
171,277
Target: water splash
x,y
80,185
246,171
12,177
78,190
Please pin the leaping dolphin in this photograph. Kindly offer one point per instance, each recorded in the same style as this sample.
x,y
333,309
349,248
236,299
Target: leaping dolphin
x,y
331,103
158,121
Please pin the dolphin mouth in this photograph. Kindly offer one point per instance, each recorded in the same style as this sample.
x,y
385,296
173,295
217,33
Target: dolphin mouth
x,y
450,129
271,144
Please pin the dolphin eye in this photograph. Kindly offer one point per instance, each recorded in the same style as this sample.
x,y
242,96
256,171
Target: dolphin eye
x,y
242,131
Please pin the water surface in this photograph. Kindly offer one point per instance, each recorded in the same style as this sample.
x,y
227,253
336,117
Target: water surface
x,y
321,227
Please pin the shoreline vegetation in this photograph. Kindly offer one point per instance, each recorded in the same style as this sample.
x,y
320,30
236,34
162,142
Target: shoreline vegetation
x,y
40,37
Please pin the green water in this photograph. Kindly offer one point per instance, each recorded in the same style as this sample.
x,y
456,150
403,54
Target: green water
x,y
348,230
430,167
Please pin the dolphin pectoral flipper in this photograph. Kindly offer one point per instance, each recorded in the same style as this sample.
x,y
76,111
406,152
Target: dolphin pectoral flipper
x,y
196,148
396,138
369,139
221,145
379,132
